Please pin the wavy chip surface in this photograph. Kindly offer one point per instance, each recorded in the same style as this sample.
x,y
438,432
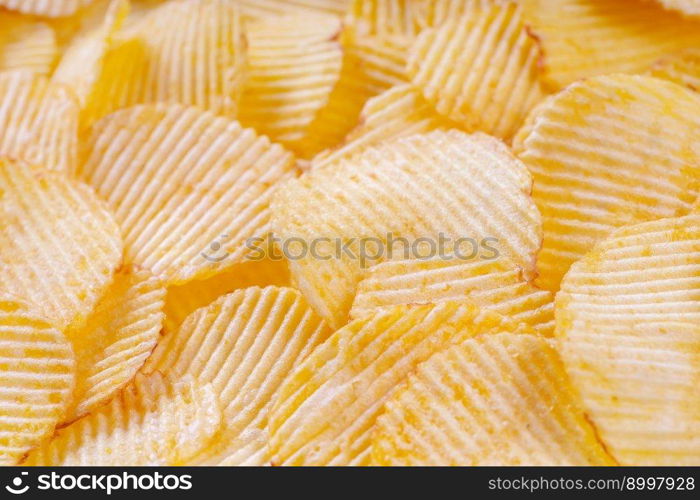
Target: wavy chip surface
x,y
265,9
47,8
608,152
180,180
500,399
682,68
26,44
244,345
37,376
687,7
628,317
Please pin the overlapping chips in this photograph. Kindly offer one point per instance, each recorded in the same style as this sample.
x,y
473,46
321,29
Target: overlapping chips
x,y
683,68
26,44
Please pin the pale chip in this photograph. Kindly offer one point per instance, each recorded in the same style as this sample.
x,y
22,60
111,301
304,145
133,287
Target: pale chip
x,y
46,8
26,44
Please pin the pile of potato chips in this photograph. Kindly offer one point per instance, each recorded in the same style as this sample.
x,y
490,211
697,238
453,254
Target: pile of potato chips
x,y
158,158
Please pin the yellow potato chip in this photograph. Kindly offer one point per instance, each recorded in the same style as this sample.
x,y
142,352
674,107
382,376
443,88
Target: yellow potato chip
x,y
382,61
583,38
437,12
37,375
183,300
151,422
687,7
480,69
398,112
427,189
607,152
190,52
60,246
628,316
327,407
499,399
682,68
180,180
265,9
26,44
47,8
493,285
118,337
244,345
294,63
385,18
38,120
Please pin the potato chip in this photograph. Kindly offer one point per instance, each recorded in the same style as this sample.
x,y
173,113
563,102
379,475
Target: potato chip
x,y
499,399
39,120
687,7
294,63
327,407
26,44
244,345
190,52
60,246
583,38
437,12
151,422
608,152
47,8
493,285
265,9
183,300
682,68
398,112
382,61
629,319
480,69
182,181
424,188
38,375
118,337
385,18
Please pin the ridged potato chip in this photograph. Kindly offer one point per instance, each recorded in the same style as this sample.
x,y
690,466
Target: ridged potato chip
x,y
437,186
687,7
118,337
244,345
437,12
327,408
480,70
183,300
152,422
682,68
38,120
385,18
628,316
499,399
607,152
46,8
493,285
26,44
382,61
37,376
264,9
294,63
621,36
59,244
180,180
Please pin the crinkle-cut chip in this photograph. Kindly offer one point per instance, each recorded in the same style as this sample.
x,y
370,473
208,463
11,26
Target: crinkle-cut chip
x,y
179,180
436,12
46,8
440,186
493,285
385,18
265,9
37,376
191,52
244,345
118,337
294,63
151,422
628,316
59,244
38,120
183,300
622,36
682,68
81,64
480,69
500,399
686,7
398,112
607,152
518,143
382,60
327,407
26,44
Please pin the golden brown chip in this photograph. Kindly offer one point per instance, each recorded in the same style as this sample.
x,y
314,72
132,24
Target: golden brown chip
x,y
500,400
37,375
608,152
628,316
244,345
682,68
47,8
687,7
26,44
